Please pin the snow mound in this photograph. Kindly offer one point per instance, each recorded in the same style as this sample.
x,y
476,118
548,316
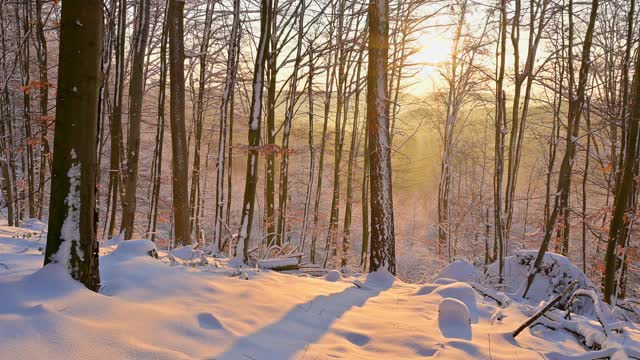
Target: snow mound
x,y
426,289
165,310
186,253
555,275
459,270
454,319
463,293
136,248
444,281
333,276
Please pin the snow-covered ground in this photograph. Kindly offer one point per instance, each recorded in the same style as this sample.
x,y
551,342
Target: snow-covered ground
x,y
173,308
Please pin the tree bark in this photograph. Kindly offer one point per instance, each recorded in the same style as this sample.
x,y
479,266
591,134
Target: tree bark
x,y
382,224
224,112
177,119
71,240
255,114
624,211
575,112
136,95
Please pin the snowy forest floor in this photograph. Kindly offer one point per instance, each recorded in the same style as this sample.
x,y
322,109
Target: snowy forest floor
x,y
163,309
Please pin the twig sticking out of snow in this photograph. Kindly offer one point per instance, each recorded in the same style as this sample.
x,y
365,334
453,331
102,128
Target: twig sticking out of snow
x,y
546,308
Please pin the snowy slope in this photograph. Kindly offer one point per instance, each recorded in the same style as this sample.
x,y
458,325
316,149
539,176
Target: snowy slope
x,y
158,309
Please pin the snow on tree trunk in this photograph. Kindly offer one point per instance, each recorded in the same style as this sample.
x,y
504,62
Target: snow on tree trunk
x,y
224,110
382,225
255,115
71,239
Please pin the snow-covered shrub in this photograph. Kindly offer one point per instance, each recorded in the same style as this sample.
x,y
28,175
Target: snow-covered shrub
x,y
556,272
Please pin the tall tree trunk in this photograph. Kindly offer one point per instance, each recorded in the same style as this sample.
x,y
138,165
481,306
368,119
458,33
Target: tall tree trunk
x,y
176,118
288,119
199,116
255,114
575,112
312,153
272,74
116,118
327,107
353,153
366,233
229,85
382,225
519,118
334,217
71,240
43,67
136,95
156,167
623,211
6,137
500,131
585,176
25,55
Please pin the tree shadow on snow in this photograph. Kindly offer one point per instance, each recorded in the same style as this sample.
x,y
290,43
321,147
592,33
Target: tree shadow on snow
x,y
305,324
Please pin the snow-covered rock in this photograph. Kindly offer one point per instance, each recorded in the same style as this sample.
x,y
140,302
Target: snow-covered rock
x,y
463,293
333,276
460,271
454,319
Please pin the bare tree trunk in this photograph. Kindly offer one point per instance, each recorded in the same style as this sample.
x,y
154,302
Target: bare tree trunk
x,y
177,120
500,131
353,153
365,200
340,60
575,112
116,118
5,138
156,167
519,118
272,74
312,154
224,111
248,204
136,94
25,54
382,225
624,211
284,164
71,240
327,106
585,175
199,115
41,47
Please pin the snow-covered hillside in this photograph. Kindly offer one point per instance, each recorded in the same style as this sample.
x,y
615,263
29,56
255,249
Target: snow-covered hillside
x,y
169,308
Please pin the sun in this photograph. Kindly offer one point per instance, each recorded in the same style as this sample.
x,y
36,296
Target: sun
x,y
434,49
